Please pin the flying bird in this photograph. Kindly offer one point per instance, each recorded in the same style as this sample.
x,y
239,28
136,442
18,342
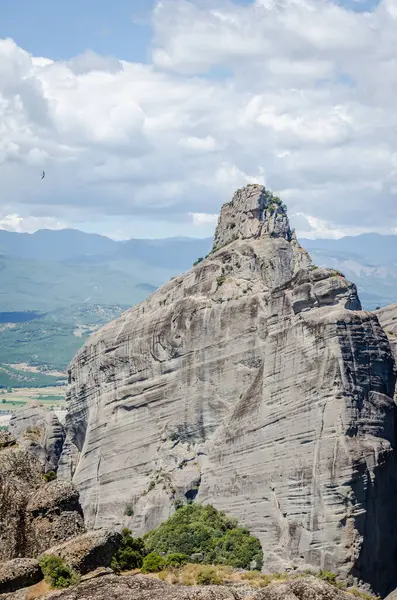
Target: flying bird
x,y
43,175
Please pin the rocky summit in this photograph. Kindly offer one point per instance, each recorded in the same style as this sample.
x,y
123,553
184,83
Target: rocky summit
x,y
253,382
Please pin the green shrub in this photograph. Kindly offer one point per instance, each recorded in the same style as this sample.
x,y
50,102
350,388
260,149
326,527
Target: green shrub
x,y
208,576
237,548
129,509
177,559
327,576
220,280
197,529
198,261
130,554
50,476
57,573
153,563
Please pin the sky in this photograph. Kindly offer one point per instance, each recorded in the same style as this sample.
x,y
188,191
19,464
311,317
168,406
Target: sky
x,y
146,115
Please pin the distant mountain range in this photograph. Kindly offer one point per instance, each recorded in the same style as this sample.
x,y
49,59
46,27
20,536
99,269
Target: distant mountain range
x,y
50,269
78,281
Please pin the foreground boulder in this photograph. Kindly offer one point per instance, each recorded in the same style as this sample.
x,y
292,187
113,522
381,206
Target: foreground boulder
x,y
33,514
40,432
19,476
19,573
89,551
256,383
54,514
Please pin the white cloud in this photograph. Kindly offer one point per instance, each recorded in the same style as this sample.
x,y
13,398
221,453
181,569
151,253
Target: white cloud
x,y
200,219
201,144
296,94
14,222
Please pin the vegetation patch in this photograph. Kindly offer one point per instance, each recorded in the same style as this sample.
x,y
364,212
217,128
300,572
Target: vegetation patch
x,y
208,576
130,554
206,532
50,476
57,573
153,563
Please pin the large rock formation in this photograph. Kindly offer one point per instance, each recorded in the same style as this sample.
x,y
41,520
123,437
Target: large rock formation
x,y
254,382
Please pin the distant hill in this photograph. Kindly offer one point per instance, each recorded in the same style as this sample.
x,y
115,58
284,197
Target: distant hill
x,y
79,281
59,286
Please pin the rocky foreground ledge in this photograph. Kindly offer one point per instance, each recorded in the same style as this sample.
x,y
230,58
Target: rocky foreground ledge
x,y
139,587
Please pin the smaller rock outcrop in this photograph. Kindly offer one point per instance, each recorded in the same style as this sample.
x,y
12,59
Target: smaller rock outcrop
x,y
19,476
252,213
33,514
19,573
40,432
89,551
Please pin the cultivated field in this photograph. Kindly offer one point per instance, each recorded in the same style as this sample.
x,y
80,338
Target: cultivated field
x,y
51,397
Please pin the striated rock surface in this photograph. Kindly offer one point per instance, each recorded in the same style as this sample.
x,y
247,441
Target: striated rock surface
x,y
254,382
40,432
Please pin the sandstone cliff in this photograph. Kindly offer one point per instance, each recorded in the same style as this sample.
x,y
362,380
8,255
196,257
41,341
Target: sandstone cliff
x,y
254,382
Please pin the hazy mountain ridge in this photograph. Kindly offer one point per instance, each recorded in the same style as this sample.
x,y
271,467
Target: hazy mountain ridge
x,y
123,271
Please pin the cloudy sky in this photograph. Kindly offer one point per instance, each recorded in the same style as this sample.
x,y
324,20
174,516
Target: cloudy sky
x,y
146,114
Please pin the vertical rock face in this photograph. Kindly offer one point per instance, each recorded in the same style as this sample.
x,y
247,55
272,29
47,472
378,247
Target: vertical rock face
x,y
254,382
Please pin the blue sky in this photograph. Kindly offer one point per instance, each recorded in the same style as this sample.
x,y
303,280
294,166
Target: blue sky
x,y
61,29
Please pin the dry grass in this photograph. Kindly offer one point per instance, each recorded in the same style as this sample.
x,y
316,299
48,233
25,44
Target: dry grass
x,y
38,590
190,575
